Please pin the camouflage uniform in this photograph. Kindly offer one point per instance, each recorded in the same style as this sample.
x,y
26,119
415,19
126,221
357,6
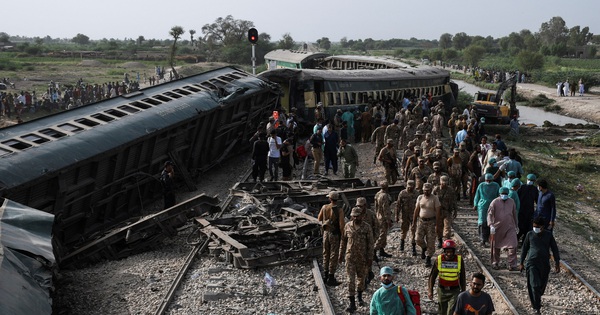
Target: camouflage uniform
x,y
377,137
406,155
452,129
434,178
333,225
447,197
438,123
420,174
455,171
393,132
349,160
408,134
464,162
412,162
357,247
427,144
424,127
405,206
388,158
383,200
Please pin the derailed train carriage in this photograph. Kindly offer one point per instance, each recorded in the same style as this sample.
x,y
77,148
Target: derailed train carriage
x,y
350,82
97,166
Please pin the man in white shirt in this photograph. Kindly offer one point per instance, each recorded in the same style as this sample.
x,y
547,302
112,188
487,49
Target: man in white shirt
x,y
274,154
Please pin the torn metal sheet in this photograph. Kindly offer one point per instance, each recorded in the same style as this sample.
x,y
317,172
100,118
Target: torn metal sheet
x,y
144,233
258,241
26,259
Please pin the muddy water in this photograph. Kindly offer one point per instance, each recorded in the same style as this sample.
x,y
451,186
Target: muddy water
x,y
528,115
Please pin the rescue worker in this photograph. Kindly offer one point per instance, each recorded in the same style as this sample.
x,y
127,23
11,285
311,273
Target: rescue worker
x,y
388,158
393,132
486,192
383,201
428,216
377,138
425,126
331,217
420,173
386,299
405,206
450,268
356,248
349,158
447,198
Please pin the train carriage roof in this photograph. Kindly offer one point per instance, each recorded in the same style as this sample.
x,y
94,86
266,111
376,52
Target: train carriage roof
x,y
163,106
355,75
391,63
293,56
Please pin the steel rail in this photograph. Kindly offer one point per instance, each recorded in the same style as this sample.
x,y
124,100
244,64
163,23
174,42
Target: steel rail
x,y
570,270
323,295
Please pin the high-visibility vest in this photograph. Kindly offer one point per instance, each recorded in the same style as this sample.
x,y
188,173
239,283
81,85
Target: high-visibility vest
x,y
449,271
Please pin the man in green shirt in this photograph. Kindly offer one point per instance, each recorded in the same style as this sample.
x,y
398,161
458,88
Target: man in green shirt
x,y
349,158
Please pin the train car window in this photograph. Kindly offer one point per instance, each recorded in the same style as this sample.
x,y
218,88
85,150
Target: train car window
x,y
16,144
208,86
103,117
164,98
87,122
180,91
70,127
226,78
4,152
202,88
171,95
35,138
129,109
52,133
115,113
151,101
217,83
329,98
191,88
140,105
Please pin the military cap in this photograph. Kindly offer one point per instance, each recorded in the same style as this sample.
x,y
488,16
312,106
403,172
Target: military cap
x,y
444,179
437,164
428,136
384,185
427,186
492,161
356,211
410,183
334,195
361,201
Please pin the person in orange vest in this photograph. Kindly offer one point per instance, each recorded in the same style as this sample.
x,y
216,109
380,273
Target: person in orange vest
x,y
452,279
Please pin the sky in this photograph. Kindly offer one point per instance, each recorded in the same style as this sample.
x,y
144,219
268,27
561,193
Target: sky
x,y
306,20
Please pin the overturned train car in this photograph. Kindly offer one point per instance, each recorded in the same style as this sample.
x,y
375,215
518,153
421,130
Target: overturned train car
x,y
97,166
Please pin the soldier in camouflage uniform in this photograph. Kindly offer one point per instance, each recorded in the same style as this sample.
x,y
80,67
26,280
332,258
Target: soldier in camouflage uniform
x,y
447,197
332,218
412,162
464,155
425,126
388,158
406,155
420,173
452,128
377,137
455,172
429,219
437,125
383,200
356,247
369,217
393,132
408,134
349,158
434,178
405,207
427,144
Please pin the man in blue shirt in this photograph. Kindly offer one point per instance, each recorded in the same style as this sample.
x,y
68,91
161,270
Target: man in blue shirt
x,y
546,204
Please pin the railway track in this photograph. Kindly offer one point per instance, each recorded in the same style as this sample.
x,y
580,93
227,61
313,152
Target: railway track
x,y
512,286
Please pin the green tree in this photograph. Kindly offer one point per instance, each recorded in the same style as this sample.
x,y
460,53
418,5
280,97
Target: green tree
x,y
473,54
578,36
553,32
344,42
445,41
324,43
192,32
461,40
450,54
175,32
226,31
140,40
81,39
529,61
4,38
286,42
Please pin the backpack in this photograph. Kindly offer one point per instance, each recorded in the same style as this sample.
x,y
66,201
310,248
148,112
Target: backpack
x,y
415,297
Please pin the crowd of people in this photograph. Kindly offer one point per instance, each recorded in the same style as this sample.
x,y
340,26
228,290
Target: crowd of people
x,y
569,89
442,159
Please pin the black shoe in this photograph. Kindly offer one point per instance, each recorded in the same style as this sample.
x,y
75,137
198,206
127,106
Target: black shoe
x,y
361,303
331,281
439,244
414,250
423,253
382,253
352,307
401,245
325,276
428,261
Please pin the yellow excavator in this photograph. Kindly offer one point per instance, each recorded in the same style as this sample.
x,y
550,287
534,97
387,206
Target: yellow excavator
x,y
491,106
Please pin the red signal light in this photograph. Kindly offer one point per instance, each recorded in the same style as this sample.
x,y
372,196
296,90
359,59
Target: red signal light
x,y
253,35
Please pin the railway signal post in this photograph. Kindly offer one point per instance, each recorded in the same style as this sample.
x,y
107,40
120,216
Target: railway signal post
x,y
253,38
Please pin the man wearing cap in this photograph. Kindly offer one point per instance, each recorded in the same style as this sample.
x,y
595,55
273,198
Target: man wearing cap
x,y
447,197
337,120
437,125
405,206
486,192
434,178
316,142
386,299
408,134
378,137
427,144
410,147
455,171
383,200
412,161
393,132
507,182
528,194
369,217
331,217
502,220
319,112
474,166
349,158
452,278
166,179
420,173
388,158
452,129
425,126
356,248
514,195
429,218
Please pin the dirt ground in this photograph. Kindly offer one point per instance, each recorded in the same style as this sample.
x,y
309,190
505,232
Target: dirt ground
x,y
585,107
